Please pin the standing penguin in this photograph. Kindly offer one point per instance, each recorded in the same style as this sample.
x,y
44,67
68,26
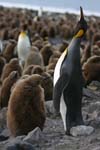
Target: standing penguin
x,y
68,82
23,45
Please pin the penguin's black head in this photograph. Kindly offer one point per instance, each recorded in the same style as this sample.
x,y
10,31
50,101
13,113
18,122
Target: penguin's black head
x,y
81,26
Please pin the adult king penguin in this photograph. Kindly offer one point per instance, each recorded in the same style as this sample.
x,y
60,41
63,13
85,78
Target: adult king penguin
x,y
23,45
68,81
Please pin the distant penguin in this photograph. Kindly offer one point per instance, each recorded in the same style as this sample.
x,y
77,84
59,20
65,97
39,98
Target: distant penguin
x,y
23,45
28,70
37,70
63,45
6,88
51,72
56,54
46,52
13,65
96,37
2,64
9,51
34,57
40,12
96,50
52,65
26,108
91,69
86,54
33,69
68,82
47,85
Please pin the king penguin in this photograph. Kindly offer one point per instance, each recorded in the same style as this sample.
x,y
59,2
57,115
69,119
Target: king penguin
x,y
23,45
68,81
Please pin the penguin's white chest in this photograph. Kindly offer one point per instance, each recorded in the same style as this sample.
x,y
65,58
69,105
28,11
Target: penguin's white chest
x,y
58,66
63,107
23,47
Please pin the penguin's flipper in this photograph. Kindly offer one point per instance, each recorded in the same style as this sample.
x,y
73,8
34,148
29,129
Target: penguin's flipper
x,y
59,87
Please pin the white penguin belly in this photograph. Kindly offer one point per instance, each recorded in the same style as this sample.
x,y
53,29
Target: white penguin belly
x,y
63,111
63,107
58,66
23,48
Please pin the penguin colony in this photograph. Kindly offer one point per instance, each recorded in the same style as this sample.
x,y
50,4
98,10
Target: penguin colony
x,y
32,57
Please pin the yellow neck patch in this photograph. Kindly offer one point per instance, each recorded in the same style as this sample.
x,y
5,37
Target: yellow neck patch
x,y
23,34
79,34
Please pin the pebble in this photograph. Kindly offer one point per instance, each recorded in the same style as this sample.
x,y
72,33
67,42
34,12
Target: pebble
x,y
81,130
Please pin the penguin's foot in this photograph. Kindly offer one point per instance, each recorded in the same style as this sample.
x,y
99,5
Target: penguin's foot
x,y
68,133
71,124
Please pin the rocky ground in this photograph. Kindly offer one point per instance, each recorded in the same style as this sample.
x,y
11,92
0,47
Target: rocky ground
x,y
53,136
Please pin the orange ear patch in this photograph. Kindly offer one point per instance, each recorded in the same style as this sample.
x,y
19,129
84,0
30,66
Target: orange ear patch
x,y
79,34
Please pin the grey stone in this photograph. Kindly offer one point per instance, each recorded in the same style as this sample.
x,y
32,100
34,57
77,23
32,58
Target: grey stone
x,y
97,148
94,107
96,122
20,146
81,130
5,133
95,83
89,93
34,136
15,144
49,108
18,138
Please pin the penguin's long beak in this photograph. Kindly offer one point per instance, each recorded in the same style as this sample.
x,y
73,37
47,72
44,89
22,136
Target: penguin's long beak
x,y
81,14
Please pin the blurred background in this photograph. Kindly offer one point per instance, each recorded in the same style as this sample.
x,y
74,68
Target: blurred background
x,y
90,7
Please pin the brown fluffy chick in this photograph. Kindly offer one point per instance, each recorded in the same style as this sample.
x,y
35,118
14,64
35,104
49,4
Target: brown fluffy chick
x,y
6,88
91,69
26,108
13,65
34,58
